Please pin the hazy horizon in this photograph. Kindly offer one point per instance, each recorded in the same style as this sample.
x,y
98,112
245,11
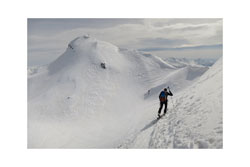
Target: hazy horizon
x,y
189,38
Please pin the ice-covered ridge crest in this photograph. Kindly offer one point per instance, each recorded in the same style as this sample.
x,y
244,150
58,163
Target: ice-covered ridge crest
x,y
86,50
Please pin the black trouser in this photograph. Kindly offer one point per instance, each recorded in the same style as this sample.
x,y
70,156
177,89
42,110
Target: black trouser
x,y
161,105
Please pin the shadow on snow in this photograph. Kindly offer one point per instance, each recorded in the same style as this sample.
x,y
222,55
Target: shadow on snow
x,y
150,124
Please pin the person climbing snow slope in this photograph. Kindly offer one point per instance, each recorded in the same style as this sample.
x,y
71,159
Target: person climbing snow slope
x,y
163,97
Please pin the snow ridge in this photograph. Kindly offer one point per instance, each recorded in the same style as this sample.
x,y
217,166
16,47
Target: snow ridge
x,y
194,119
76,103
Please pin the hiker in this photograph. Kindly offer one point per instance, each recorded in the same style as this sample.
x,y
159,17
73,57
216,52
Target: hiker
x,y
164,100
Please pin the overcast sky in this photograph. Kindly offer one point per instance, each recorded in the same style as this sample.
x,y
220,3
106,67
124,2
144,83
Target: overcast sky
x,y
189,38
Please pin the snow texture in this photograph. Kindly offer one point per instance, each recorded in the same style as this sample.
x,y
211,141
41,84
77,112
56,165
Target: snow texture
x,y
76,103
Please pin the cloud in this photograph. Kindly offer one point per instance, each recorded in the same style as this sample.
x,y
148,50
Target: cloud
x,y
196,31
47,26
179,21
201,51
53,35
163,42
201,47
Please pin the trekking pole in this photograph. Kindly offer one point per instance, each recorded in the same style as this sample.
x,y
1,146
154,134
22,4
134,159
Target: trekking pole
x,y
172,100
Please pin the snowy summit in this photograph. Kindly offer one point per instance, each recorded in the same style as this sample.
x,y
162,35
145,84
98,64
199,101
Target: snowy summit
x,y
96,95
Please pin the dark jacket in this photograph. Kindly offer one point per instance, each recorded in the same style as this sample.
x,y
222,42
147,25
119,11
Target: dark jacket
x,y
165,97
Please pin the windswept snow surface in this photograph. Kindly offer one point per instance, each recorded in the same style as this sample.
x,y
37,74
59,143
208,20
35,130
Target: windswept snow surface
x,y
194,118
75,103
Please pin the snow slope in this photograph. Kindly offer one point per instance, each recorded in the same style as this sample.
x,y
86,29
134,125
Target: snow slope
x,y
194,119
75,103
182,62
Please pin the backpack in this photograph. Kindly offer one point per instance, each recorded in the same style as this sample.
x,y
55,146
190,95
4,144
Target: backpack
x,y
162,96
